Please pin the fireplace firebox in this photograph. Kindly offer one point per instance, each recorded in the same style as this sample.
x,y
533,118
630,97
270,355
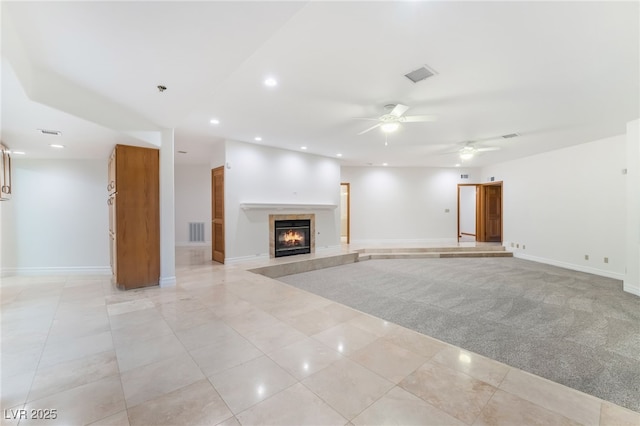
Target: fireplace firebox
x,y
292,237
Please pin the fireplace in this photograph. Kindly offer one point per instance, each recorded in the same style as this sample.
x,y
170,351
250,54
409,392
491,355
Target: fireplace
x,y
286,222
292,237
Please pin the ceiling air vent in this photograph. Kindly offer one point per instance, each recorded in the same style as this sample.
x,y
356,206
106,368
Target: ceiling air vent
x,y
50,132
420,74
510,135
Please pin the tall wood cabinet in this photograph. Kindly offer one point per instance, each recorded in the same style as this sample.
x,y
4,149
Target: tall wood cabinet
x,y
134,216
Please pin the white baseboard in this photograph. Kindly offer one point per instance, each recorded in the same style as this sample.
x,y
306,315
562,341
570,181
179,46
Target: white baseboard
x,y
629,289
167,281
573,267
239,259
57,270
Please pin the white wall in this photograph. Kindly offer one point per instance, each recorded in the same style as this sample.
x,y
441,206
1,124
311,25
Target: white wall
x,y
404,204
57,220
632,278
193,199
565,204
257,174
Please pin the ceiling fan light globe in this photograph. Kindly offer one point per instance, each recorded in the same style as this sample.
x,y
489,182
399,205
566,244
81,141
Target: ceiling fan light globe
x,y
466,155
389,127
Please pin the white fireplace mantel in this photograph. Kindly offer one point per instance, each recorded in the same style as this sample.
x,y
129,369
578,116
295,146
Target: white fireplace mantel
x,y
286,206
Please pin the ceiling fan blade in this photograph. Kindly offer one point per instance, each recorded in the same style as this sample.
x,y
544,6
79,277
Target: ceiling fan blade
x,y
365,118
398,110
488,148
417,118
369,129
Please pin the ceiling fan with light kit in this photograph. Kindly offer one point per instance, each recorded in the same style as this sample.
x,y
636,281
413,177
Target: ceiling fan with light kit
x,y
394,117
470,149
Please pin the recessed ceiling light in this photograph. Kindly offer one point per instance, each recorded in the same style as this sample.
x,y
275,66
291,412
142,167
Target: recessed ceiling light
x,y
270,82
18,152
257,138
303,148
338,155
385,164
458,165
57,146
214,121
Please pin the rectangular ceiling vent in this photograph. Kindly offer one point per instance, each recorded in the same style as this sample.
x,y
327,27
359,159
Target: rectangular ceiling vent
x,y
420,74
510,135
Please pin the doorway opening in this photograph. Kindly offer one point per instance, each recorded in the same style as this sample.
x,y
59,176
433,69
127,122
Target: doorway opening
x,y
345,213
480,212
467,202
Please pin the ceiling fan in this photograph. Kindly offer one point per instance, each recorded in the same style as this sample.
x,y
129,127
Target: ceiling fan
x,y
394,116
469,148
468,151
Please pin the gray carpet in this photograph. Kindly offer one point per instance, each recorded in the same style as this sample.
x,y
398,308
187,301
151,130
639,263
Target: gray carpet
x,y
573,328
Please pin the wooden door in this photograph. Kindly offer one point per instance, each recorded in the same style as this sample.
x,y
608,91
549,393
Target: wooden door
x,y
493,215
490,212
136,204
217,214
345,212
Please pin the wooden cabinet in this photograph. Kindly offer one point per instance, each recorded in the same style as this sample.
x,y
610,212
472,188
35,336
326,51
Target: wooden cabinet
x,y
134,216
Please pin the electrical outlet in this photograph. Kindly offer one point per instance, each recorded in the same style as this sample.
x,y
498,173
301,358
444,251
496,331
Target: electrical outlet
x,y
518,245
512,244
586,257
606,260
523,247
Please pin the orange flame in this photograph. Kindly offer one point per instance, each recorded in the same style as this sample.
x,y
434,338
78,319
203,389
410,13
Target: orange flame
x,y
292,238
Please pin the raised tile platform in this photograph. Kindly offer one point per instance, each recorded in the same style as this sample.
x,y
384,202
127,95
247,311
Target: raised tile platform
x,y
304,265
432,252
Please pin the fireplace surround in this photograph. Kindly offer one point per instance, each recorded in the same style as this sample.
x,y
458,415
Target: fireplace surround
x,y
291,234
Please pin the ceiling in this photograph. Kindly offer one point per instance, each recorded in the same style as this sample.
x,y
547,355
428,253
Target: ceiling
x,y
556,73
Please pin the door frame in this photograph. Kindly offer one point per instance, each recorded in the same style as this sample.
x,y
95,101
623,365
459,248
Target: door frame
x,y
481,218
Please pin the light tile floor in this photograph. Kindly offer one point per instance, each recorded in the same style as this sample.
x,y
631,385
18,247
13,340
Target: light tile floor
x,y
225,346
